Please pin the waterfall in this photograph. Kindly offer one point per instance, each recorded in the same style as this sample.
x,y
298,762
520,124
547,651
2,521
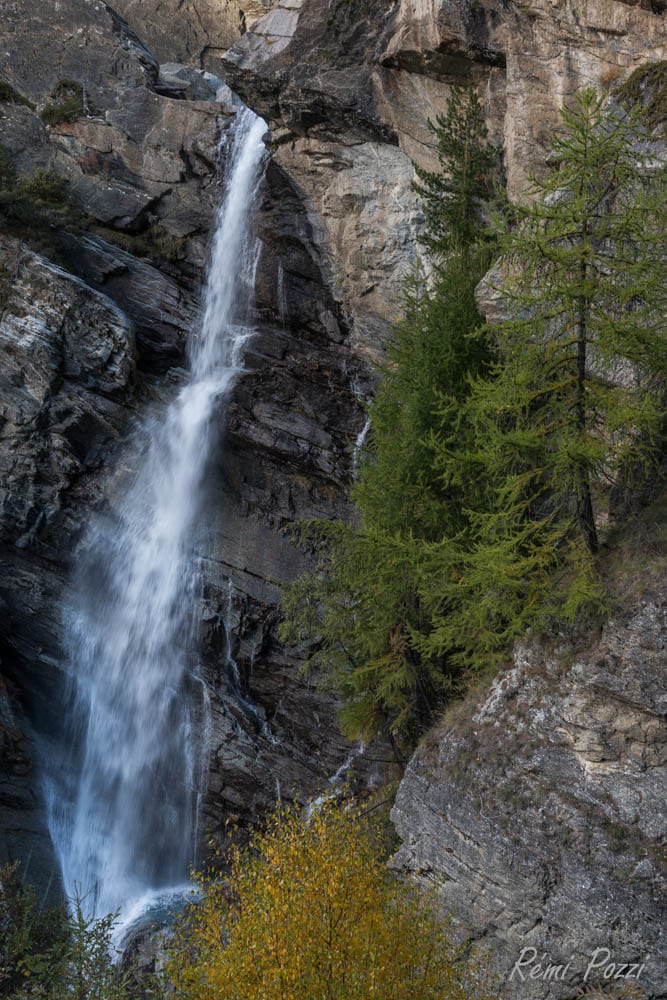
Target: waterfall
x,y
123,805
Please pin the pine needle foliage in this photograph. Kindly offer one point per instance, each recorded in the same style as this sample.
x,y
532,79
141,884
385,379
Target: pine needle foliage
x,y
33,939
309,912
361,616
53,953
573,400
434,353
453,196
493,449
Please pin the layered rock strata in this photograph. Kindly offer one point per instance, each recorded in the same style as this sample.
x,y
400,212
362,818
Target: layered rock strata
x,y
349,86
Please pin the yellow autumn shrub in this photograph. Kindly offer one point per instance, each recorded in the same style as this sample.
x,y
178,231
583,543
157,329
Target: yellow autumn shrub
x,y
309,912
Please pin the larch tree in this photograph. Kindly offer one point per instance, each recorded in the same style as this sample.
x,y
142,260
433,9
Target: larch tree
x,y
310,912
575,396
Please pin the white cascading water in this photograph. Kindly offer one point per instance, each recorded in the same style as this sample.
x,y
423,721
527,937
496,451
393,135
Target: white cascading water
x,y
123,811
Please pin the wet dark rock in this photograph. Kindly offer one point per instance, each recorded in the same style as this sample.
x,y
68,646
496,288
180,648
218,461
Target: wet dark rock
x,y
66,384
86,351
161,309
24,836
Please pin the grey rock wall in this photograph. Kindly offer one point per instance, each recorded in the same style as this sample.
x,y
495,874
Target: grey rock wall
x,y
89,342
540,815
196,32
24,836
348,87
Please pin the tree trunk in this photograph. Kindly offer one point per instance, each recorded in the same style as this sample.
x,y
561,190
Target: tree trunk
x,y
584,502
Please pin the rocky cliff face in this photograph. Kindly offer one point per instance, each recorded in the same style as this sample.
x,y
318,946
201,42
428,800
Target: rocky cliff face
x,y
540,816
541,820
195,32
347,87
89,342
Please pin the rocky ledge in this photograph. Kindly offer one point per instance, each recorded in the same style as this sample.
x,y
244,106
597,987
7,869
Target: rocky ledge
x,y
540,815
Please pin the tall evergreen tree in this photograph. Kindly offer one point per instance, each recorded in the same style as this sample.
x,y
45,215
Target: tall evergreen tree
x,y
576,393
453,196
365,611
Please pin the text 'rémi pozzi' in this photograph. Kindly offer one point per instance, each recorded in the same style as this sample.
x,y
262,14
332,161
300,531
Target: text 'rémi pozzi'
x,y
530,966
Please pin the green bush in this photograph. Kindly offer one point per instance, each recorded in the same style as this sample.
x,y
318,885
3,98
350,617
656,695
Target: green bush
x,y
46,186
65,103
7,171
154,242
5,285
33,939
51,953
8,95
37,207
646,88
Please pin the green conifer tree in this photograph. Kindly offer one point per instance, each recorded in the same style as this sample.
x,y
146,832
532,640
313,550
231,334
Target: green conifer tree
x,y
574,398
453,195
364,612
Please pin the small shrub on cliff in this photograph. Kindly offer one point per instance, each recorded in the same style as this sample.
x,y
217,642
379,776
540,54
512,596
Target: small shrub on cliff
x,y
46,186
65,103
5,285
37,207
7,172
33,939
646,88
8,95
309,911
154,243
26,200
